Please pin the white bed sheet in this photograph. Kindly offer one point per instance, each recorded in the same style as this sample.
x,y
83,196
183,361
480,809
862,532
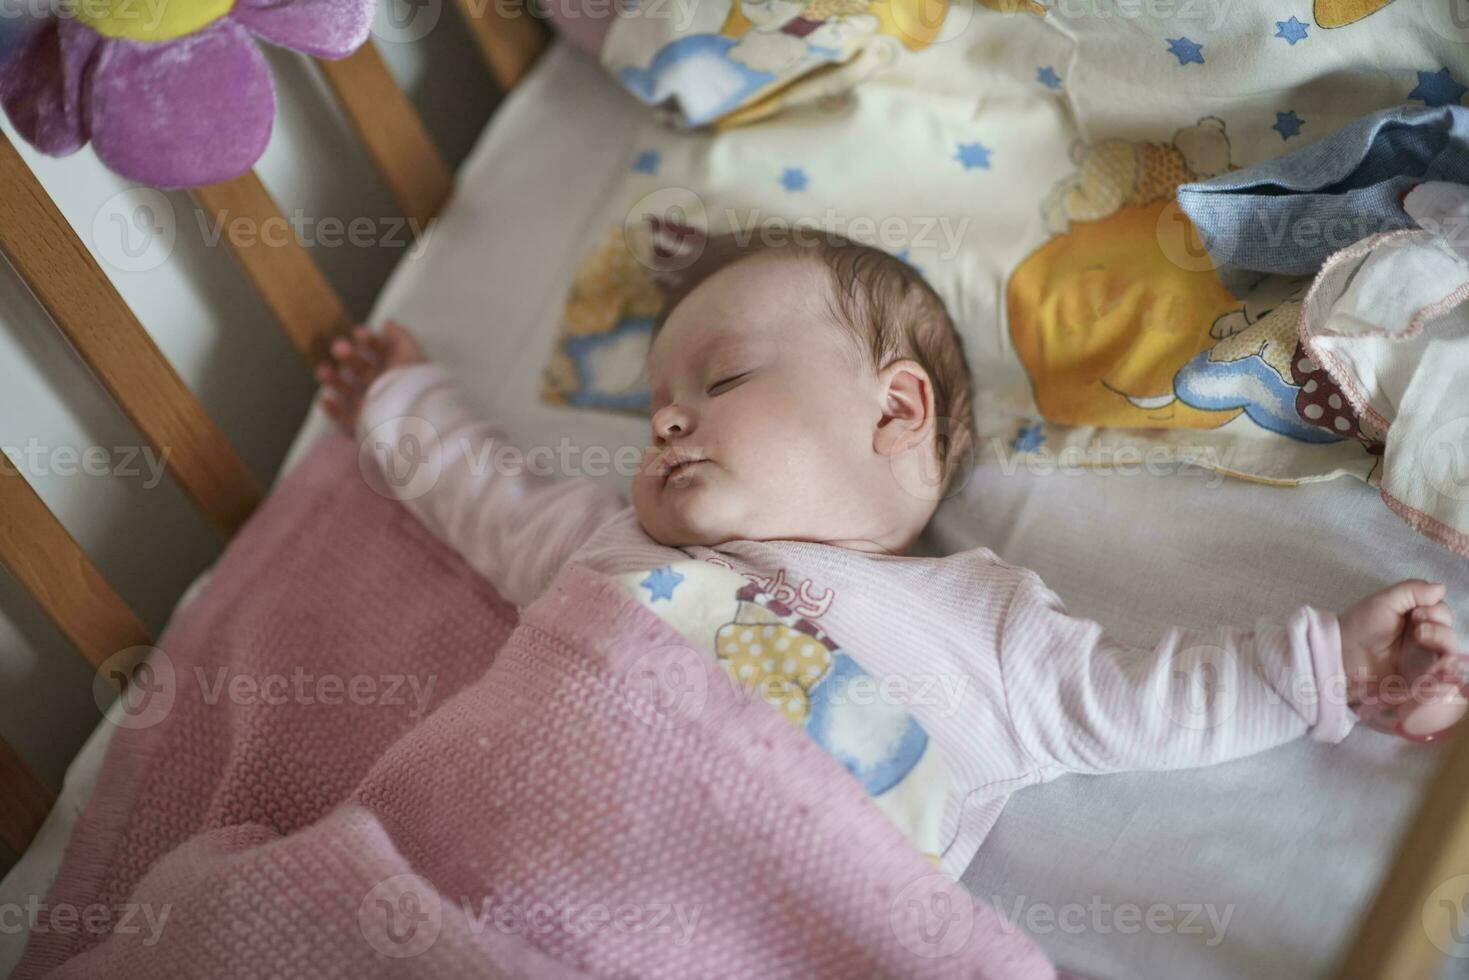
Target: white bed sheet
x,y
1289,844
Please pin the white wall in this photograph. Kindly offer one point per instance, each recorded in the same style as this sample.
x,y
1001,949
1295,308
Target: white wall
x,y
145,537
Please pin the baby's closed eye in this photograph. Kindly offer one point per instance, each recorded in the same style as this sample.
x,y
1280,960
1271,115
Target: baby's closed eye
x,y
725,384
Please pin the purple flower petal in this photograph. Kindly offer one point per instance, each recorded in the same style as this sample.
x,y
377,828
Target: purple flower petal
x,y
196,110
320,28
40,86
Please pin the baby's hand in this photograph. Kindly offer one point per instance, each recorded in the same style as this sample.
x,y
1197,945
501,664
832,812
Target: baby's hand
x,y
1401,659
356,362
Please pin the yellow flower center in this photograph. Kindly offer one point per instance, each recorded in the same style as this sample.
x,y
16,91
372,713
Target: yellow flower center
x,y
147,20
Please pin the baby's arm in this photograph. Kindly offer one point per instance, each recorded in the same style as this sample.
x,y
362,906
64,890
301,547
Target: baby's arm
x,y
1084,703
457,474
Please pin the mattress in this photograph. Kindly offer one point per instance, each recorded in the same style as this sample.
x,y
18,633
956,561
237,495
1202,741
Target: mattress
x,y
1259,868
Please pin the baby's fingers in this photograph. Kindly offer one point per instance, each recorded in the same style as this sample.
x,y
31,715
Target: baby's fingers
x,y
1436,712
1402,597
1436,613
353,358
1436,637
330,377
340,408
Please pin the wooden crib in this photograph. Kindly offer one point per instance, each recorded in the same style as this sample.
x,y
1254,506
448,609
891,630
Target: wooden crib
x,y
1396,939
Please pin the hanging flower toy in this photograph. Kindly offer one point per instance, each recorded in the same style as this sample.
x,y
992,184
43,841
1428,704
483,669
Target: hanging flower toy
x,y
170,93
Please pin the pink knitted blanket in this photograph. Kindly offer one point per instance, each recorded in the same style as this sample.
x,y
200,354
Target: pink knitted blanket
x,y
352,760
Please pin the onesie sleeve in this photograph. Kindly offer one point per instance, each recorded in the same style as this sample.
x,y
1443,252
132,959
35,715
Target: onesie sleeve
x,y
1081,702
471,487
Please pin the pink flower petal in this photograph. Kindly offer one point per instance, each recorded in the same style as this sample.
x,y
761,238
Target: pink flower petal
x,y
320,28
196,110
40,86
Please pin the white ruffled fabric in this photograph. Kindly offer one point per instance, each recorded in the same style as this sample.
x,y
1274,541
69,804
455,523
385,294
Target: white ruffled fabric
x,y
1388,321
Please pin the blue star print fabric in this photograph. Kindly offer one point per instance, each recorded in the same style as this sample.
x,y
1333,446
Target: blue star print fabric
x,y
1020,154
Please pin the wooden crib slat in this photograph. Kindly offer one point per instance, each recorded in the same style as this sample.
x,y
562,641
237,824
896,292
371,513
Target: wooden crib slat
x,y
391,132
24,803
1411,921
277,264
52,567
509,38
87,308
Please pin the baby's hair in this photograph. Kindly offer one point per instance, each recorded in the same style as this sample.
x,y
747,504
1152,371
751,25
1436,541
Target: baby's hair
x,y
891,311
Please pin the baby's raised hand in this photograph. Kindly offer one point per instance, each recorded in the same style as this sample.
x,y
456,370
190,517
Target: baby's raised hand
x,y
1402,662
356,362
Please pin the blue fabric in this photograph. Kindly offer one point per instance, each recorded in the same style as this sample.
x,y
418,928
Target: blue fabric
x,y
1286,216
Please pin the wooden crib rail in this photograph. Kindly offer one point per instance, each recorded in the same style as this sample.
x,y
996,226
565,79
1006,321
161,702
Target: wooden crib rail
x,y
509,38
76,293
24,804
282,271
1426,891
391,132
87,308
49,564
52,567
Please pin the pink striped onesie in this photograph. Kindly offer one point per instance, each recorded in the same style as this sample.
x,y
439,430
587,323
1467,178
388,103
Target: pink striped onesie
x,y
957,680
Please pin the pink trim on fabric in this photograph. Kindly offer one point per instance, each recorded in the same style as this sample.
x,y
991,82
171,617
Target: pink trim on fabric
x,y
1429,526
1421,317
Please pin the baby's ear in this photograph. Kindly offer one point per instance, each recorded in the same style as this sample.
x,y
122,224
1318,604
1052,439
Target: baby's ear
x,y
907,408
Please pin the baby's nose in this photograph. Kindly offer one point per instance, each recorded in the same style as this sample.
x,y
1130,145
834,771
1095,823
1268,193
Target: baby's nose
x,y
670,421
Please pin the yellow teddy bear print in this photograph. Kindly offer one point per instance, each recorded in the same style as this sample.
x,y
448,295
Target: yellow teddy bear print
x,y
776,661
1339,13
1101,317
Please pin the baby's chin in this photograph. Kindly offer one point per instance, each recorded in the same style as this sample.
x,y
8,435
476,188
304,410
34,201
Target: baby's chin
x,y
688,517
672,532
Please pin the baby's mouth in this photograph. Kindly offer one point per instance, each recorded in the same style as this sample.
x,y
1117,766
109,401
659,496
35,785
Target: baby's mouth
x,y
679,475
676,469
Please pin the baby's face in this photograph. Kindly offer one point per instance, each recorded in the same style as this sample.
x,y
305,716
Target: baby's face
x,y
763,416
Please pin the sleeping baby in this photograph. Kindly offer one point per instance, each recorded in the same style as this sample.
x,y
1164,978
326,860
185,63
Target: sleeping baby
x,y
811,406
